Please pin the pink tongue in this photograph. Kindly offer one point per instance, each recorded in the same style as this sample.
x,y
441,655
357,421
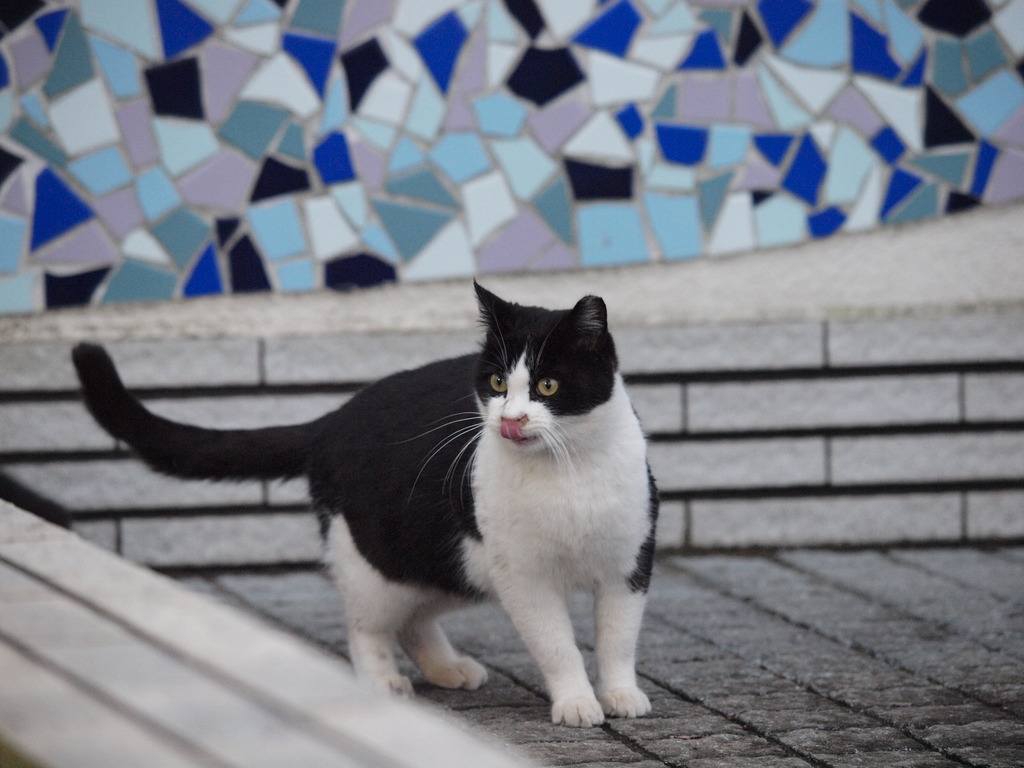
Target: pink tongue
x,y
511,430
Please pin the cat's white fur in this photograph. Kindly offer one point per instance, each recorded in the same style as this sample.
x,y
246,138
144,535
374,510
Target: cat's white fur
x,y
568,511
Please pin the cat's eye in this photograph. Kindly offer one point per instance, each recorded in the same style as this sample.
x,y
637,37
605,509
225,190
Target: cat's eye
x,y
498,383
547,387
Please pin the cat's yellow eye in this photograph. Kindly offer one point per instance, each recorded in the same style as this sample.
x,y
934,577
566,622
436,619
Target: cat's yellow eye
x,y
547,387
498,383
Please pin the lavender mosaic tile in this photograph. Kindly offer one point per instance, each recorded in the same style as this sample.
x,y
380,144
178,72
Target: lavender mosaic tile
x,y
370,140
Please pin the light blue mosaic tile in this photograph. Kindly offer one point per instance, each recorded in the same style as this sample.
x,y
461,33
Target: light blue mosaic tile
x,y
183,144
675,221
461,156
335,109
823,41
989,105
17,294
351,198
33,106
257,12
278,229
904,35
728,145
216,10
120,67
133,24
296,275
427,110
526,166
157,195
377,239
849,163
499,115
405,156
780,220
611,234
12,241
102,172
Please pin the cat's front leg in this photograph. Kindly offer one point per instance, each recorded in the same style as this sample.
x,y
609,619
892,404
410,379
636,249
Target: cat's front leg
x,y
618,613
541,615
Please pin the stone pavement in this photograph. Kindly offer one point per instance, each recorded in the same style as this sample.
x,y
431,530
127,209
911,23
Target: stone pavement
x,y
895,658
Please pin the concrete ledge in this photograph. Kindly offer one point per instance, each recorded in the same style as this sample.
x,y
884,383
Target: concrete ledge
x,y
107,664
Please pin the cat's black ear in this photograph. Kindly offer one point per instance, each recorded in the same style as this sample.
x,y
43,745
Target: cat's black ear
x,y
490,305
590,316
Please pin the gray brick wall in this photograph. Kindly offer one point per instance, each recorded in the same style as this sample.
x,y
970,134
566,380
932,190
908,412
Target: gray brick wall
x,y
797,433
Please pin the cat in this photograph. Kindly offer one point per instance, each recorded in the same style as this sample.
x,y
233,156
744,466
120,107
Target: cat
x,y
519,472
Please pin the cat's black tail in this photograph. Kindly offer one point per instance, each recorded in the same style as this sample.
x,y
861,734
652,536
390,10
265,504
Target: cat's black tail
x,y
180,449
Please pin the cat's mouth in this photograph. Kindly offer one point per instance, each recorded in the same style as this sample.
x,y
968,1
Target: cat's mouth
x,y
512,430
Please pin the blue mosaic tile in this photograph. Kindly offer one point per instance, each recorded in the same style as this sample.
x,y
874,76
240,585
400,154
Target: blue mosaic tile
x,y
921,204
901,184
50,26
773,146
823,41
631,120
440,45
826,222
983,168
332,159
315,56
258,11
499,115
359,271
682,144
781,17
989,105
905,36
613,30
205,279
887,143
914,76
871,50
706,53
806,172
180,27
58,209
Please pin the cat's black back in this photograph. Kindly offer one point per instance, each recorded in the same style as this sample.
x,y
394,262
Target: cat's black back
x,y
395,462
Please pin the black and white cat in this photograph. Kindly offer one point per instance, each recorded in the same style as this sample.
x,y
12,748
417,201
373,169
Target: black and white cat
x,y
518,473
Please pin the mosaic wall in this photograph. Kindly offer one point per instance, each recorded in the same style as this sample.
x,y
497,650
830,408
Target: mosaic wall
x,y
154,149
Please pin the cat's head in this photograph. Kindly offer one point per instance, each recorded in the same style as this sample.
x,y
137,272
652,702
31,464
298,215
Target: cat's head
x,y
540,368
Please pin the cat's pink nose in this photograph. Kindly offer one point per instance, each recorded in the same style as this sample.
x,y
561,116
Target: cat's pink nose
x,y
512,429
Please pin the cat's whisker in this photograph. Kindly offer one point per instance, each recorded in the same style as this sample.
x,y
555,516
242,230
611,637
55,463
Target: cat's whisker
x,y
447,422
440,446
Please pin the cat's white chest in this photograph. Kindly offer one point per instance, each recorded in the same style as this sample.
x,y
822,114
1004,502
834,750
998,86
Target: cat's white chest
x,y
575,522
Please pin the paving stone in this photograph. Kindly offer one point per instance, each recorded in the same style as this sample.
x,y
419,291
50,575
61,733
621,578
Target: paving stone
x,y
685,750
817,741
594,746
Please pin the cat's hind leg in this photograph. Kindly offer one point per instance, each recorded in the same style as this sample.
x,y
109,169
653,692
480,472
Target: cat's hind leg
x,y
427,645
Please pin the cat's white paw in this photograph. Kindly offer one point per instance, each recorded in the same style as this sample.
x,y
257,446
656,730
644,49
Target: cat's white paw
x,y
463,673
628,701
577,712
